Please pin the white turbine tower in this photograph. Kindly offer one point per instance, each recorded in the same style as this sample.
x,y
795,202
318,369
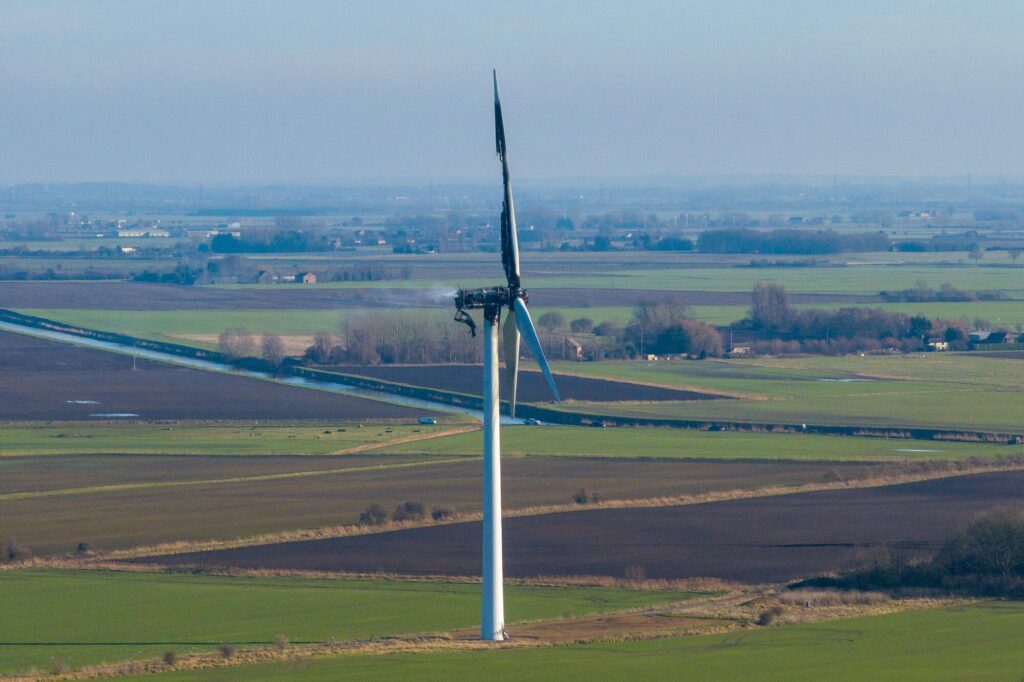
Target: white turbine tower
x,y
517,321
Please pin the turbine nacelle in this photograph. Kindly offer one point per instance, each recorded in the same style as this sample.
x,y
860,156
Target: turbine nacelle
x,y
490,300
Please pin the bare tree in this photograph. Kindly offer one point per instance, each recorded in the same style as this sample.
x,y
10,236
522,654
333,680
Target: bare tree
x,y
551,320
237,343
770,306
650,317
1015,254
273,350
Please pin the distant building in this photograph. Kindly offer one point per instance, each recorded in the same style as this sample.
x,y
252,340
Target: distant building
x,y
937,343
265,277
136,232
305,278
991,337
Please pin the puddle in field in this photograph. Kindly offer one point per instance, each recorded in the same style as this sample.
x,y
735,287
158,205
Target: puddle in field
x,y
82,402
113,414
915,450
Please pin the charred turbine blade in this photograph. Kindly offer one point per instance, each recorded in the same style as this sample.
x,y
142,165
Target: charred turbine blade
x,y
529,332
509,231
510,332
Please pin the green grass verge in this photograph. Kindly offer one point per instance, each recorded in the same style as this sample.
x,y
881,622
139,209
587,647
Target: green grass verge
x,y
186,438
981,642
88,617
688,444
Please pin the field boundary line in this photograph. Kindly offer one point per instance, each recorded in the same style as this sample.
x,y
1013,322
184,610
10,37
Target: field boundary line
x,y
332,532
412,438
117,487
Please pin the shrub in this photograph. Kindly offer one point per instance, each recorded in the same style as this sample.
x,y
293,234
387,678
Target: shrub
x,y
551,320
226,650
170,658
582,496
635,573
581,325
59,667
409,511
16,552
769,616
280,642
441,513
374,515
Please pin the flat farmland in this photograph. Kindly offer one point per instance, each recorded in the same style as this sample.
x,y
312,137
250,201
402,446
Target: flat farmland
x,y
532,386
111,504
947,390
203,438
754,540
123,616
980,641
46,380
669,443
63,474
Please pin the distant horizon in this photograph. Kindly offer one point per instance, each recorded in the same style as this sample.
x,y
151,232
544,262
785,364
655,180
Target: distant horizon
x,y
635,182
240,93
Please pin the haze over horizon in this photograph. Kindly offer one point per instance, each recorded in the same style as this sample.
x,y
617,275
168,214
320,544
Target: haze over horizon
x,y
242,92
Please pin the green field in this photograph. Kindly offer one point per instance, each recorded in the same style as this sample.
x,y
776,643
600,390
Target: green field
x,y
689,444
88,617
854,279
189,438
979,642
942,390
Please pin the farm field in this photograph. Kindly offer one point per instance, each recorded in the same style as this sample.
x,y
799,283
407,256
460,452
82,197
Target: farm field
x,y
205,438
854,279
926,407
201,326
50,506
68,474
109,617
885,390
668,443
531,388
975,642
765,539
46,380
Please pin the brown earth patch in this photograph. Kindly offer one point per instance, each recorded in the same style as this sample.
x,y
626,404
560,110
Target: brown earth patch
x,y
532,387
767,539
47,380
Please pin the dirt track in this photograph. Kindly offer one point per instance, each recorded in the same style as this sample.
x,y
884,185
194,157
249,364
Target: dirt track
x,y
42,379
754,540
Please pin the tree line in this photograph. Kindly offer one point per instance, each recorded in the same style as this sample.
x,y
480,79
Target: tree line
x,y
790,241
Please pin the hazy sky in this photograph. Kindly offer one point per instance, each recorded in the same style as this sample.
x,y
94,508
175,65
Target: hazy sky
x,y
261,92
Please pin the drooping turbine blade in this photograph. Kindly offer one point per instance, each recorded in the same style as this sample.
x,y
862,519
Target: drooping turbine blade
x,y
511,347
509,232
529,332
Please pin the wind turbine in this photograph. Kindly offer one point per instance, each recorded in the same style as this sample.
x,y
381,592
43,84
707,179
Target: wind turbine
x,y
512,299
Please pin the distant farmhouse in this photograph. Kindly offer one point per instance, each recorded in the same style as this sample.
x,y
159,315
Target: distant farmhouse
x,y
305,278
988,338
137,232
